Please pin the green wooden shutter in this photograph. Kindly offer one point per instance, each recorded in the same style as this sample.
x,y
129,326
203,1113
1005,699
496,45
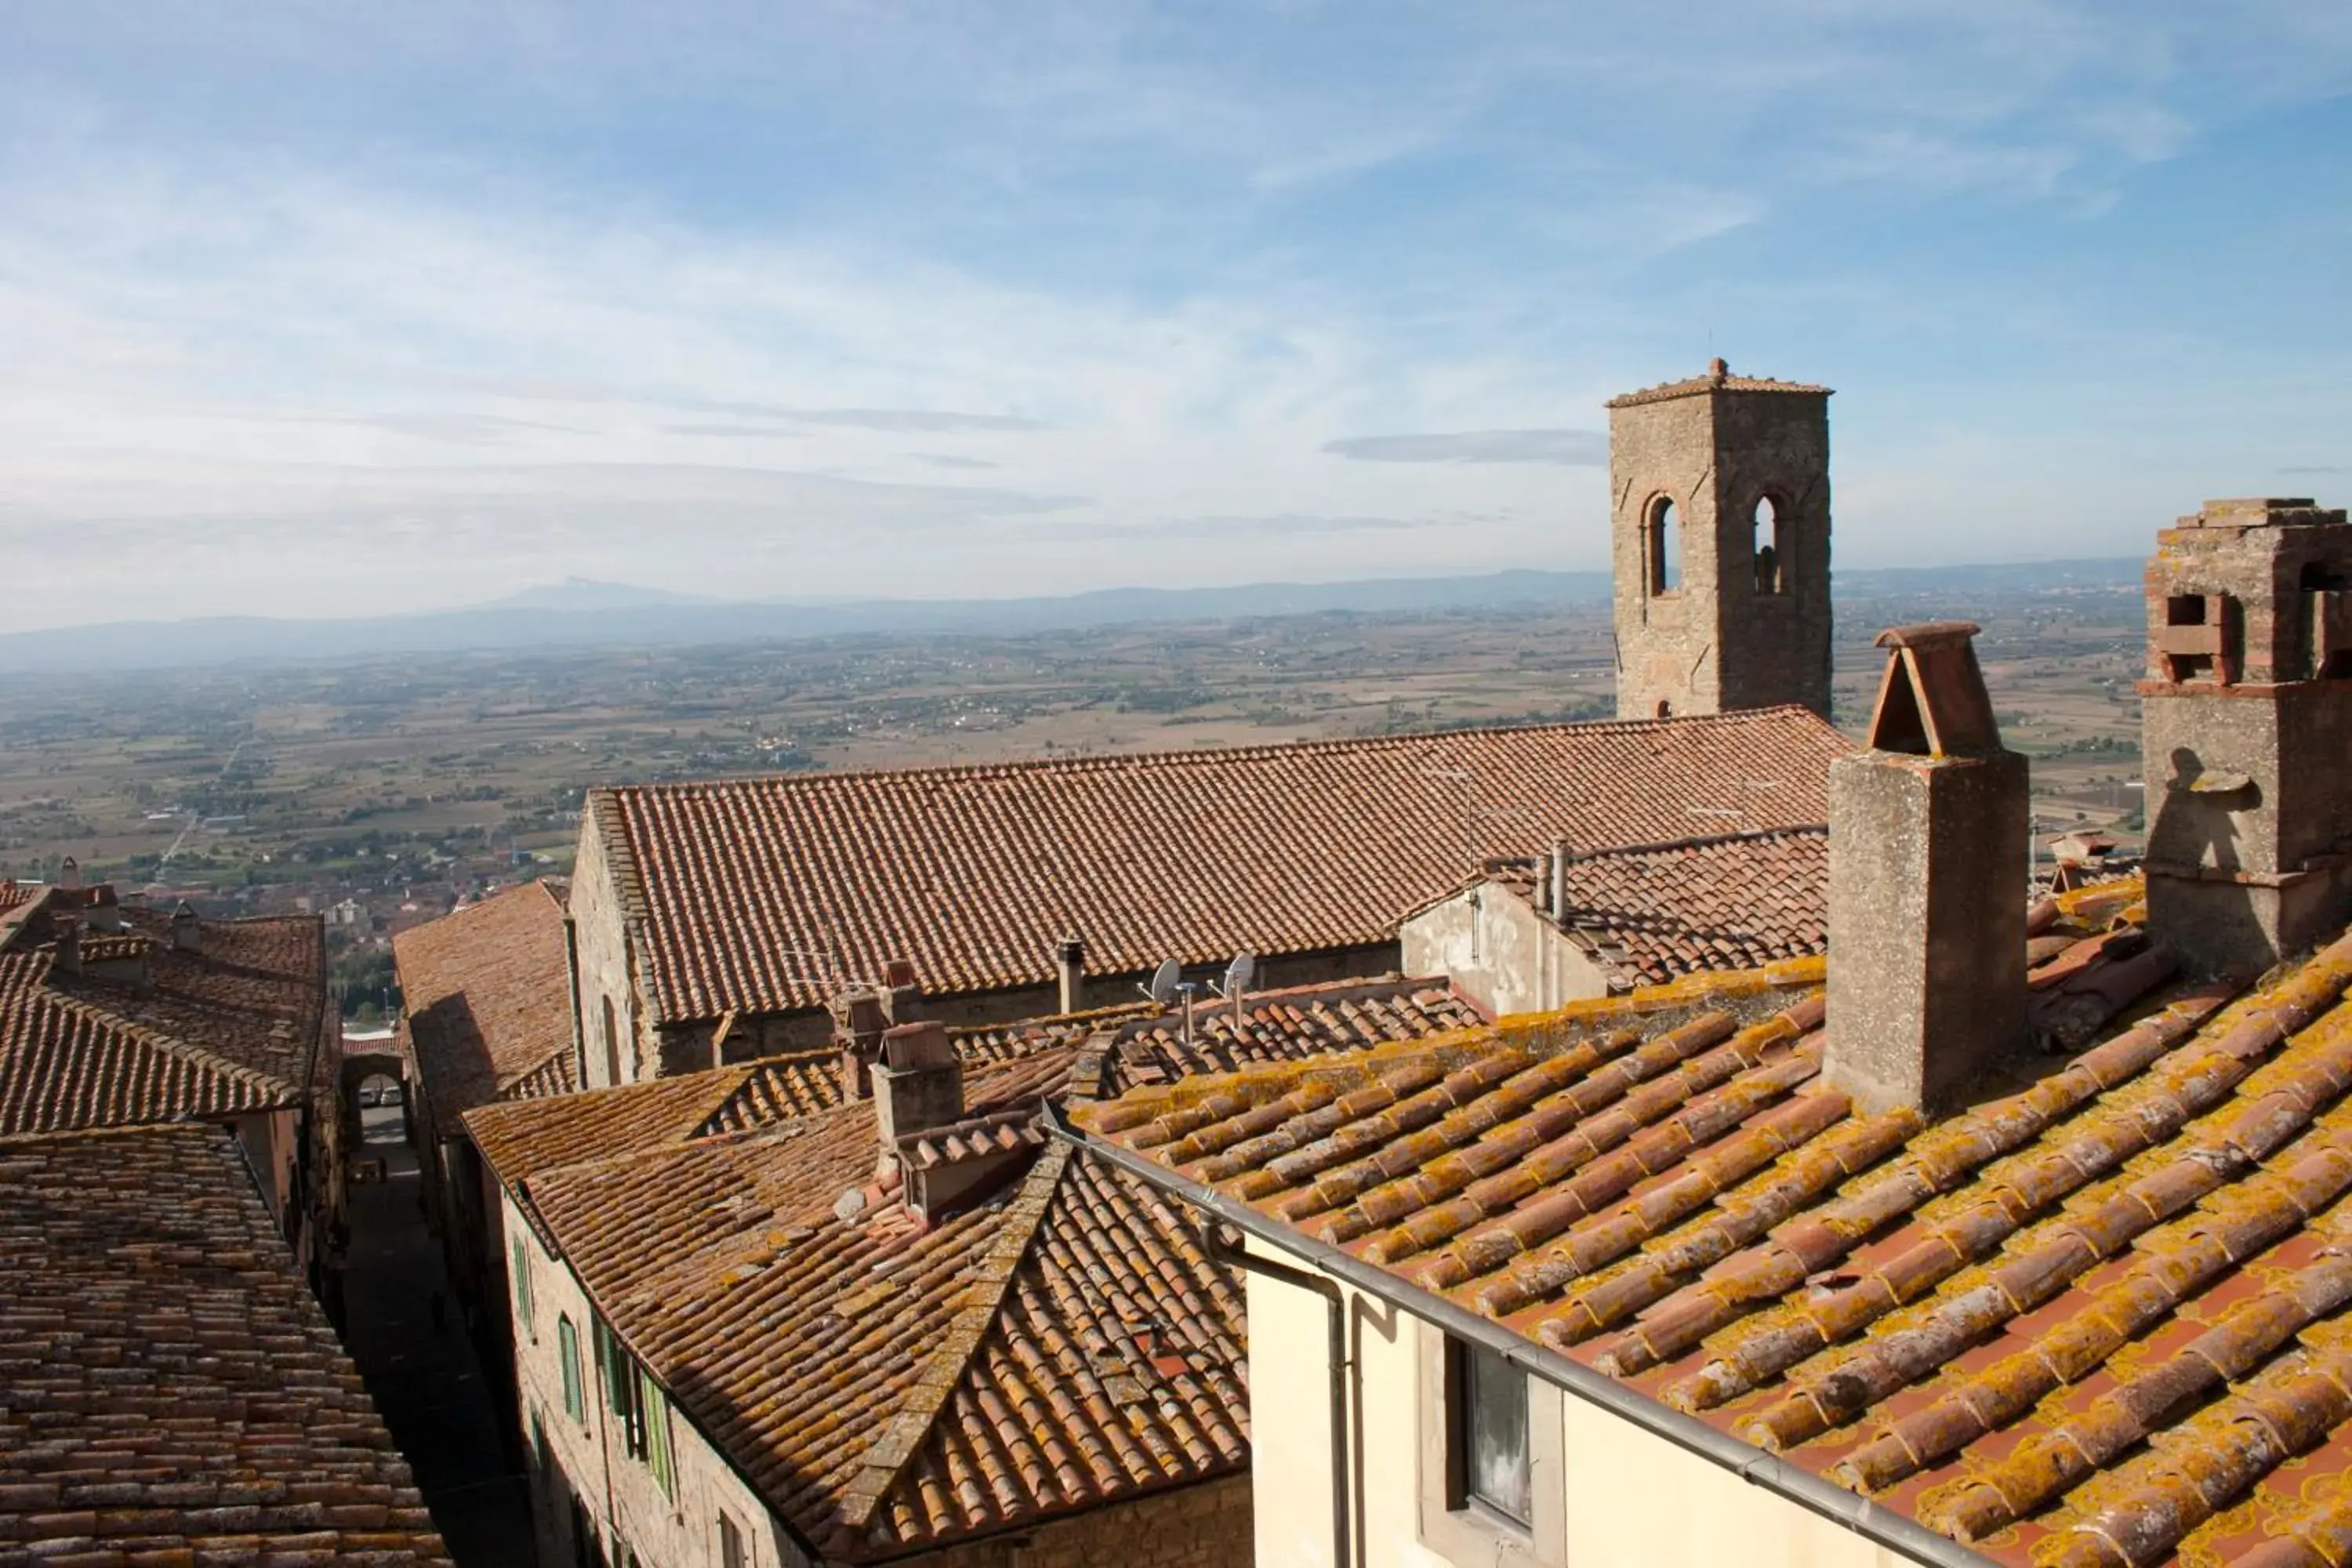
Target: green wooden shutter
x,y
522,1284
568,1344
655,1407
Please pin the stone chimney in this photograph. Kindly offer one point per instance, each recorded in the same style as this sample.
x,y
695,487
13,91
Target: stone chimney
x,y
1070,965
917,1084
187,931
68,950
105,914
69,874
859,1019
2246,716
1928,883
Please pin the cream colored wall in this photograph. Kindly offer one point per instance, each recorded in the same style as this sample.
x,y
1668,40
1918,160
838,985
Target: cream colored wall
x,y
1634,1501
591,1460
1500,953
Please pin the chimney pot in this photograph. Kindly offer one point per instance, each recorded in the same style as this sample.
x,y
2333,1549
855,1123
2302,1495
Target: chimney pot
x,y
1560,855
858,1021
1070,965
1928,906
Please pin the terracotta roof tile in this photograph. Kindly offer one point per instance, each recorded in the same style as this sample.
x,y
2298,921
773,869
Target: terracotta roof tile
x,y
1648,914
887,1386
2095,1320
485,1002
971,872
174,1392
1718,378
232,1028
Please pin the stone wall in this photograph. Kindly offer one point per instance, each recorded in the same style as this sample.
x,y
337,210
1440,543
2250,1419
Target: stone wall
x,y
1500,953
608,971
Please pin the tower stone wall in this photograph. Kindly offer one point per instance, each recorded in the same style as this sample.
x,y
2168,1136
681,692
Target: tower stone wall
x,y
1721,611
2247,731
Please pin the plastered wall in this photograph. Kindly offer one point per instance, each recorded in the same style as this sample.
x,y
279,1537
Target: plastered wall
x,y
1629,1499
1500,953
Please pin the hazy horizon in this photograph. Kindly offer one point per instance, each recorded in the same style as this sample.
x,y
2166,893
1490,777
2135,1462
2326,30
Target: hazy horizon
x,y
314,313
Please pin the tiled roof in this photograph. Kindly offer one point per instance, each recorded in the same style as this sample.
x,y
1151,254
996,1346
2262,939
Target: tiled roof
x,y
1649,913
1717,379
227,1030
2095,1319
520,1140
971,872
487,1002
1066,1347
173,1393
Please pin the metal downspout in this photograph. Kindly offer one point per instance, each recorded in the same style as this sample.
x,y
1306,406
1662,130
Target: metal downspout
x,y
1334,1306
1871,1520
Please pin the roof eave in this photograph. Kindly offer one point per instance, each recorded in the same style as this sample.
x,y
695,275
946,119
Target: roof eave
x,y
1874,1521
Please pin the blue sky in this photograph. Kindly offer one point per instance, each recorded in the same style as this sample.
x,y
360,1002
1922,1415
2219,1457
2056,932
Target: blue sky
x,y
311,307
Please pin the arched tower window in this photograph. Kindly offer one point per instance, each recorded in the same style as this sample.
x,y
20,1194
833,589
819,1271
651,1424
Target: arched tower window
x,y
1665,546
1771,547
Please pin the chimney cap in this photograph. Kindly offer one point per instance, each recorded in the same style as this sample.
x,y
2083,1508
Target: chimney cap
x,y
1932,702
1927,634
922,1044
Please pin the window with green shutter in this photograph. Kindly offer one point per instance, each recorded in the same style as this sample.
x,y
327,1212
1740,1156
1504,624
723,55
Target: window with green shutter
x,y
567,1346
653,1412
522,1284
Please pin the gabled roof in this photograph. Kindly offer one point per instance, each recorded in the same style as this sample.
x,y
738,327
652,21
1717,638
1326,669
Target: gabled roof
x,y
1649,913
230,1029
485,995
888,1386
971,872
2099,1317
1066,1347
174,1394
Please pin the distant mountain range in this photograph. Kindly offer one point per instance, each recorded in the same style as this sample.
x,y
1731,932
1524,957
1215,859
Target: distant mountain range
x,y
579,612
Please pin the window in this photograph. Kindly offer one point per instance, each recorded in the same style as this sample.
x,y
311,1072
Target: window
x,y
1491,1482
1770,549
522,1283
612,1044
730,1544
1487,1448
653,1428
567,1346
1661,541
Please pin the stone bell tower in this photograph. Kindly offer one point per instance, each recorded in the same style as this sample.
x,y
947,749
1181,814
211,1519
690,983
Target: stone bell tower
x,y
1720,514
2246,711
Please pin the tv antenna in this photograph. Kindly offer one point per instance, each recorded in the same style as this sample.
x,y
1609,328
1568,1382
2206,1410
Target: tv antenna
x,y
1238,974
1472,814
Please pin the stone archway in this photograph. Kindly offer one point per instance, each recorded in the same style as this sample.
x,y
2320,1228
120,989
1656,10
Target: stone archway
x,y
357,1070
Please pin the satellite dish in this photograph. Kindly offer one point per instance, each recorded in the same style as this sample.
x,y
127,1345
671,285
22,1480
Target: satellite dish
x,y
1240,972
1164,981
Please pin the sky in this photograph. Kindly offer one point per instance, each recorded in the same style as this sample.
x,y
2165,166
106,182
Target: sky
x,y
316,309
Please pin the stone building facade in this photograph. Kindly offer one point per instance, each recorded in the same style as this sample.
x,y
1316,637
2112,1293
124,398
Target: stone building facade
x,y
1719,520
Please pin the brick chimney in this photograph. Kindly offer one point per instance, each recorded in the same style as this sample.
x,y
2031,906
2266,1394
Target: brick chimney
x,y
2246,716
1070,965
859,1018
1928,883
187,931
917,1084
